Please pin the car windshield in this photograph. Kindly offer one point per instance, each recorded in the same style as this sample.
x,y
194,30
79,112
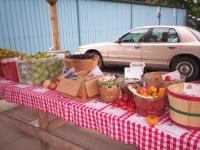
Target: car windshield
x,y
195,33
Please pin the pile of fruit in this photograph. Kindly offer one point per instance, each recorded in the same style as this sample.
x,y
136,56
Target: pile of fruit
x,y
125,102
7,53
39,55
37,68
152,91
109,87
51,84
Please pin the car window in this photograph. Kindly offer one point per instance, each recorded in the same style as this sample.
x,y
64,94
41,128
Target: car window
x,y
172,36
159,35
195,33
137,35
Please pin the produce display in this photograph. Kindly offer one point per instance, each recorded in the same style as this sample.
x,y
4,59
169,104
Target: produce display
x,y
160,80
109,87
7,53
152,120
125,102
152,91
37,68
51,84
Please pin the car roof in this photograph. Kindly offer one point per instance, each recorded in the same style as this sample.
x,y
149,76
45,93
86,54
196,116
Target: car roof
x,y
162,26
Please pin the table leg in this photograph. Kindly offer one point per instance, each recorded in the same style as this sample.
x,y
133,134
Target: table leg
x,y
43,123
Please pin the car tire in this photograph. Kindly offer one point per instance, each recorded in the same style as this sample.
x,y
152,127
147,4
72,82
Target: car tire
x,y
186,66
100,60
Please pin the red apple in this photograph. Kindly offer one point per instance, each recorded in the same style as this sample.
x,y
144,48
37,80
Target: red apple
x,y
46,83
52,86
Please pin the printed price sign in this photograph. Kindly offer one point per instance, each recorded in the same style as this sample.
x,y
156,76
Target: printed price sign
x,y
114,111
41,90
22,86
172,129
4,81
96,104
136,118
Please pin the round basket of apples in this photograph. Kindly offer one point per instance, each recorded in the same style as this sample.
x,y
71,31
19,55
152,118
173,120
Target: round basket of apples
x,y
149,100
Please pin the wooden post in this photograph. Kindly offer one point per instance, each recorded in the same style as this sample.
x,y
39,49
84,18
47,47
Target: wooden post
x,y
54,24
43,122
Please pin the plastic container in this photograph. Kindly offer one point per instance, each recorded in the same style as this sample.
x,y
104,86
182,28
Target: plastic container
x,y
35,72
9,69
109,91
184,109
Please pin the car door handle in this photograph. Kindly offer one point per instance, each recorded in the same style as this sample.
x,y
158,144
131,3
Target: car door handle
x,y
171,47
137,46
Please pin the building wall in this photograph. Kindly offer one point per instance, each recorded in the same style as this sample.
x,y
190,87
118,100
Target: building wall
x,y
25,24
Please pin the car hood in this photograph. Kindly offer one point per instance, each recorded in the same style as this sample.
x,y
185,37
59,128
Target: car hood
x,y
95,45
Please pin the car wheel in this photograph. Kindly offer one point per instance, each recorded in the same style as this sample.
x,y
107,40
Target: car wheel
x,y
186,66
100,60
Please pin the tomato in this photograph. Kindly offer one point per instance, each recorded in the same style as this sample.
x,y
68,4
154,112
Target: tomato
x,y
121,103
130,109
167,78
124,107
125,97
120,98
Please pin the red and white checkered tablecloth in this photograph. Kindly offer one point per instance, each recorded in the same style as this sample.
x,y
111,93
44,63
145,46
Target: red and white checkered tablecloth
x,y
97,115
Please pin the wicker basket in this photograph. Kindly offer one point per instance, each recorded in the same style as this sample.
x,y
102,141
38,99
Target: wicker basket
x,y
184,109
81,62
109,91
145,106
148,105
155,78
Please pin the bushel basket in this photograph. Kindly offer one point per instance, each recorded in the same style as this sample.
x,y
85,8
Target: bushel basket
x,y
155,78
81,62
184,109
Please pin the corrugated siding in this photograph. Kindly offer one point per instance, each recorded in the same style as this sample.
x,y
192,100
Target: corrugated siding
x,y
103,21
25,25
144,15
181,17
68,24
168,16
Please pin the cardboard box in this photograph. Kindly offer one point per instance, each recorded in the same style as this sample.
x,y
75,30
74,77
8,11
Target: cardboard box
x,y
81,89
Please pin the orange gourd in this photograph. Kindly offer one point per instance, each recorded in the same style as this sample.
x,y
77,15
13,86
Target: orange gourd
x,y
152,120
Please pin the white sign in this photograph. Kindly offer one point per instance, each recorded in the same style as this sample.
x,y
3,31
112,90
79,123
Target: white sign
x,y
41,90
192,89
22,86
171,129
114,111
95,104
136,118
4,81
133,73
